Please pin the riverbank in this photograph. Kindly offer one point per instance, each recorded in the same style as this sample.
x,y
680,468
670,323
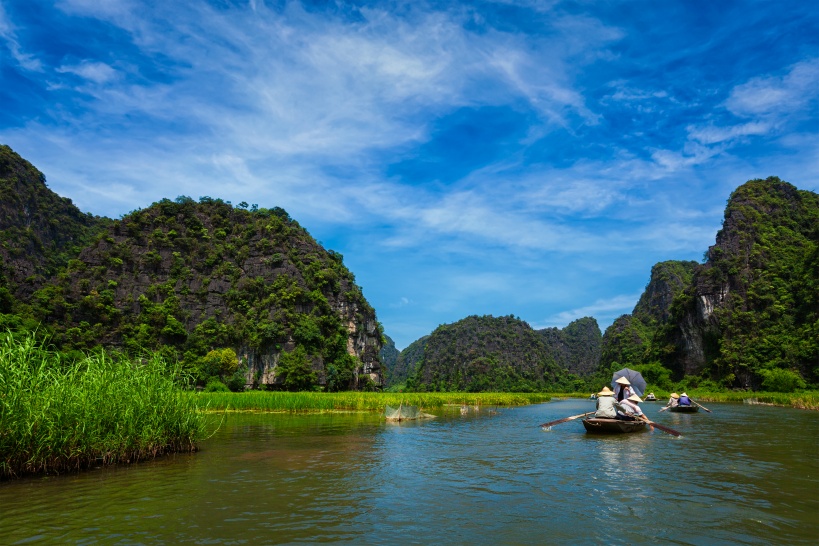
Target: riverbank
x,y
58,416
808,400
354,401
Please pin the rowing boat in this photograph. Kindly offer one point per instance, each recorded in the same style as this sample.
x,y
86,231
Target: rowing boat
x,y
684,409
603,425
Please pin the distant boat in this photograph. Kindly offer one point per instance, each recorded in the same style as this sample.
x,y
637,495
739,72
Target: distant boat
x,y
684,409
603,425
593,397
650,397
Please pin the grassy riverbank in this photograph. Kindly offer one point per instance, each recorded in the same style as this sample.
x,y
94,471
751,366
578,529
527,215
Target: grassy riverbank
x,y
57,416
802,400
355,401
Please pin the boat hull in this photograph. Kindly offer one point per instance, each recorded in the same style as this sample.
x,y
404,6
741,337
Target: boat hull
x,y
684,409
601,425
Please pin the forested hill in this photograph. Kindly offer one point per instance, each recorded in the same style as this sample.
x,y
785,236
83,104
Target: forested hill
x,y
576,347
746,318
39,230
243,294
483,353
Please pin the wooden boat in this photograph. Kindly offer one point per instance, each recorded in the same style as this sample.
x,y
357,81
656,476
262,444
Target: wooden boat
x,y
685,409
650,397
603,425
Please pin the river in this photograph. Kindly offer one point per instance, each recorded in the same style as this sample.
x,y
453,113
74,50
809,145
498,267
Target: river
x,y
744,474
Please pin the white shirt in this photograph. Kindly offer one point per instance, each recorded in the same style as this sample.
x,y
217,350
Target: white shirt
x,y
630,408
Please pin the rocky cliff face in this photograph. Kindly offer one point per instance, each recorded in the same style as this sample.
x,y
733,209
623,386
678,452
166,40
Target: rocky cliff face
x,y
39,230
752,306
749,313
183,278
196,276
632,339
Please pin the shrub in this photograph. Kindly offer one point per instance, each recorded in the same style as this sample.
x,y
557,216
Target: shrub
x,y
215,385
779,380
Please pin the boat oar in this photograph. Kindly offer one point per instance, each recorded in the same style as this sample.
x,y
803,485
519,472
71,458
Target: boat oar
x,y
664,428
572,418
703,407
663,409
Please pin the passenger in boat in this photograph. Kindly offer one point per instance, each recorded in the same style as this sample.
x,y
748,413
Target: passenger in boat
x,y
674,401
630,409
684,400
624,389
606,404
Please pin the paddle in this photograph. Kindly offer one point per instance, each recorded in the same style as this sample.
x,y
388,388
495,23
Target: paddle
x,y
664,428
572,418
703,407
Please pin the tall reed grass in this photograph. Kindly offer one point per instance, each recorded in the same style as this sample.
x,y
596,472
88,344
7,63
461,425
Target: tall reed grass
x,y
354,401
57,416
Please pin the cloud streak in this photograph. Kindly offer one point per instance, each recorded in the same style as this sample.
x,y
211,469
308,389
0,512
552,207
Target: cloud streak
x,y
500,157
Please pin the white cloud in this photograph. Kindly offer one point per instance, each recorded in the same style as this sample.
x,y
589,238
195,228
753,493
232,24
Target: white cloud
x,y
602,310
96,72
776,95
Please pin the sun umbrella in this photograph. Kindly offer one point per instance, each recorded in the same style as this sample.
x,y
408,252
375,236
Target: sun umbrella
x,y
634,377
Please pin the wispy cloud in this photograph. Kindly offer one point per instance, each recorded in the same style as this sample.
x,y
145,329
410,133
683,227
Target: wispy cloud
x,y
8,37
502,157
605,309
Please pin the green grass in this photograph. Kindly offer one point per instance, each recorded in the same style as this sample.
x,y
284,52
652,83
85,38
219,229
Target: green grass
x,y
57,416
354,401
803,400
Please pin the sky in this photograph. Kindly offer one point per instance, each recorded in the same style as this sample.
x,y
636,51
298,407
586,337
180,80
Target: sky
x,y
527,158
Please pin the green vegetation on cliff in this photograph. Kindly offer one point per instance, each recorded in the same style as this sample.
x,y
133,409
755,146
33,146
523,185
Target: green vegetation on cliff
x,y
188,281
746,318
39,231
484,353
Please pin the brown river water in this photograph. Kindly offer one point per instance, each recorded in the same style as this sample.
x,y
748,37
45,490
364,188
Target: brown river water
x,y
744,474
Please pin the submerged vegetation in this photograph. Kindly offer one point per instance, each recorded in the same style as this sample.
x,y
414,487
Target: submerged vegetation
x,y
58,415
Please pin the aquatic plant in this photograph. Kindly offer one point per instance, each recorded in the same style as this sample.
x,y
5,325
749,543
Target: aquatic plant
x,y
355,401
58,415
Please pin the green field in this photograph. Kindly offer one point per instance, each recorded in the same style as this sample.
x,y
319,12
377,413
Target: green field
x,y
354,401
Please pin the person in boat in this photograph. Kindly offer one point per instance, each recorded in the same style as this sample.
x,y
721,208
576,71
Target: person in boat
x,y
606,404
684,400
624,389
630,409
674,401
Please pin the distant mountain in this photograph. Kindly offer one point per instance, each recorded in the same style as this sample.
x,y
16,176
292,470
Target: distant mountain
x,y
39,230
190,280
484,353
576,347
407,361
746,318
388,356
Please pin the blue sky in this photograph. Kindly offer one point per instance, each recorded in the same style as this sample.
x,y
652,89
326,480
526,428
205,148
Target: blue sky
x,y
532,158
